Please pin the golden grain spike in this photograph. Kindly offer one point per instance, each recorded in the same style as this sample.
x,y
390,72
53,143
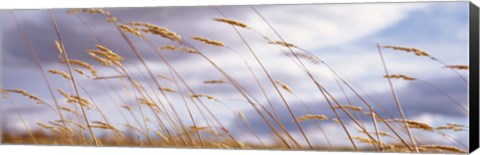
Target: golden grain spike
x,y
167,89
284,86
79,71
156,30
459,67
82,64
198,128
174,48
131,30
364,140
146,102
192,96
354,108
417,125
59,47
282,43
44,126
127,107
79,100
311,117
221,81
399,76
309,57
443,147
208,41
231,22
62,73
416,51
26,94
102,61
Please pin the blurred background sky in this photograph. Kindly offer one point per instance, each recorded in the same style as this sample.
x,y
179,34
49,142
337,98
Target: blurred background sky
x,y
343,35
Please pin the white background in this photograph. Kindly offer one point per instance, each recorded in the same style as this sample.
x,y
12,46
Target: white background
x,y
29,4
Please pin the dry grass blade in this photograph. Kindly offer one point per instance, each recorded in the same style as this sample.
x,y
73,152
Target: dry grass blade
x,y
443,147
175,48
26,94
208,41
62,73
416,124
131,30
282,43
156,30
221,81
231,22
416,51
364,140
79,100
193,96
399,76
354,108
453,127
82,64
284,86
311,117
146,102
59,47
167,89
459,67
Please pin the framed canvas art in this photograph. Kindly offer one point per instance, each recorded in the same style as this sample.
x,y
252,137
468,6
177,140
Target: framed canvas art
x,y
358,77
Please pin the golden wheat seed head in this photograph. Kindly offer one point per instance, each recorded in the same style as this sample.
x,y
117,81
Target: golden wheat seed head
x,y
146,102
167,89
131,30
364,140
399,76
102,61
127,107
312,58
79,71
45,126
350,107
76,99
459,67
416,51
311,117
26,94
59,47
111,19
283,85
62,73
444,147
208,41
221,81
231,22
282,43
416,124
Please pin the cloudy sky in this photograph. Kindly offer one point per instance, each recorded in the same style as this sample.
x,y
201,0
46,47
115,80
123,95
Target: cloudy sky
x,y
343,35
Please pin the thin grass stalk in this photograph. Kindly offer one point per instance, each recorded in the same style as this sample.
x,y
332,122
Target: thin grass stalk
x,y
171,69
276,88
275,113
236,85
38,64
145,131
23,122
445,94
397,101
377,132
71,75
104,117
311,76
165,114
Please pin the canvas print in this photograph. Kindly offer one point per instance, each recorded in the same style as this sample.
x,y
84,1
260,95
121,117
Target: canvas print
x,y
369,77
